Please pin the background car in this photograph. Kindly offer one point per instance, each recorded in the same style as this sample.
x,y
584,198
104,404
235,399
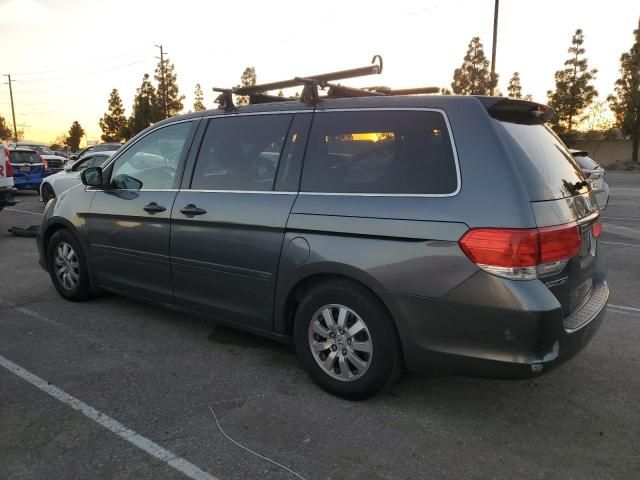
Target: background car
x,y
59,182
6,179
595,176
103,147
29,168
55,161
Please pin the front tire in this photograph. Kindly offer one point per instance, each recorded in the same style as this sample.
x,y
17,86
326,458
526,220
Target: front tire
x,y
47,192
346,340
68,267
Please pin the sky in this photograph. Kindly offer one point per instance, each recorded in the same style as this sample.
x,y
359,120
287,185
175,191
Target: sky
x,y
65,56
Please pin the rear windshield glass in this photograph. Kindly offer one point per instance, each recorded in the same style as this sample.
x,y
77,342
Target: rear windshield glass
x,y
24,157
585,162
388,152
548,168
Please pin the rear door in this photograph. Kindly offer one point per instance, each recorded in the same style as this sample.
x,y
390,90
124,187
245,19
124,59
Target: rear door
x,y
229,219
560,196
130,221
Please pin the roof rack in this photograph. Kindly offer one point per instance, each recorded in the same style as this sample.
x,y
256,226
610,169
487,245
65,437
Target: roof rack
x,y
257,93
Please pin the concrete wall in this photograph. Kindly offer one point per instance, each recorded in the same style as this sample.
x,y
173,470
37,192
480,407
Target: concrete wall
x,y
605,152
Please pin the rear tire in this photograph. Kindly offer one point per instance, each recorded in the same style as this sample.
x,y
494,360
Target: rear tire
x,y
67,266
346,340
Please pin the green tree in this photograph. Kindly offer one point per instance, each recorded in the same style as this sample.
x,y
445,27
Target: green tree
x,y
145,109
574,91
113,123
168,94
198,96
5,132
247,79
625,103
514,89
474,76
76,132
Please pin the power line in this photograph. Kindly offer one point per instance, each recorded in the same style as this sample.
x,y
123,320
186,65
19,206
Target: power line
x,y
80,75
83,65
13,112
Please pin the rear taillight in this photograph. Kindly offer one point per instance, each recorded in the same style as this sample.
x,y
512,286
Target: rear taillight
x,y
522,254
44,162
7,164
597,230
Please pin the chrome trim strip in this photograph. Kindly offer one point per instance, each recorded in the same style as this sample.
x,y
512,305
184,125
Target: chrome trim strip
x,y
263,192
247,114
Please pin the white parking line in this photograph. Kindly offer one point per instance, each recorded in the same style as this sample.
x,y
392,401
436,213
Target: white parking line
x,y
152,448
23,211
622,218
628,309
618,243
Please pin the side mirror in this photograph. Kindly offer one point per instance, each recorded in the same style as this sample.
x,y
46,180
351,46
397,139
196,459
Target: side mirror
x,y
67,167
92,177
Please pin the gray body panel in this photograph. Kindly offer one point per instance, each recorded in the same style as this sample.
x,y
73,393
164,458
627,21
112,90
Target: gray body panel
x,y
225,261
129,246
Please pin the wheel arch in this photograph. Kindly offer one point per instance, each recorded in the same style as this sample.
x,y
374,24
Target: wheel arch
x,y
305,284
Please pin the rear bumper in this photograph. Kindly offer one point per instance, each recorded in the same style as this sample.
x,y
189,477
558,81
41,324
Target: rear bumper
x,y
491,327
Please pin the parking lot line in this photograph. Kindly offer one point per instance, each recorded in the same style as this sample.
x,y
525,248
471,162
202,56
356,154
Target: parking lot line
x,y
22,211
152,448
621,218
618,243
628,309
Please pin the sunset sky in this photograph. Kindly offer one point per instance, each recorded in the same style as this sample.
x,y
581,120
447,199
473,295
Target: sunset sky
x,y
65,56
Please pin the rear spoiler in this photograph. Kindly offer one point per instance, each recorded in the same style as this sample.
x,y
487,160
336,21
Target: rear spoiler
x,y
518,111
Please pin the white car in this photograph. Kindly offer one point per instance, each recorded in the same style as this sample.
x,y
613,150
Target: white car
x,y
69,177
6,179
55,162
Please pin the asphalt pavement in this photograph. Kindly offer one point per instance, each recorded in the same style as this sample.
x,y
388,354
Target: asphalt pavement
x,y
79,367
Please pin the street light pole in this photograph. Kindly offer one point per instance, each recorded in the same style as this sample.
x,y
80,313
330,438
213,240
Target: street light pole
x,y
495,41
13,112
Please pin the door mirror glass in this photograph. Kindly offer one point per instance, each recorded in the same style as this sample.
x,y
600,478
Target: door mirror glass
x,y
92,176
123,181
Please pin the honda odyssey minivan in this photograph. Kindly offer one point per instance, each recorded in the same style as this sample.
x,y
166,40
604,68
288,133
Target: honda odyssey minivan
x,y
374,232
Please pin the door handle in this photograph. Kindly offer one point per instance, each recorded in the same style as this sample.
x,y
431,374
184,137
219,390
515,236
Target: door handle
x,y
191,210
153,207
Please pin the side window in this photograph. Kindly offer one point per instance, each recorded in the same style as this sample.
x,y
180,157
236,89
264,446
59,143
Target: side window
x,y
241,153
388,152
85,162
152,161
97,160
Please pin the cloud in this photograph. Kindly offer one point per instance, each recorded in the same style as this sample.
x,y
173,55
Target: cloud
x,y
23,12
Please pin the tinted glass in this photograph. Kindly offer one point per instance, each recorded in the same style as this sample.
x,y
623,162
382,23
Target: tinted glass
x,y
99,160
82,164
152,160
393,152
548,168
24,157
241,153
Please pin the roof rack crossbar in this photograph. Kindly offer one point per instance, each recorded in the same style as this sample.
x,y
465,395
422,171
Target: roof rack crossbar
x,y
322,79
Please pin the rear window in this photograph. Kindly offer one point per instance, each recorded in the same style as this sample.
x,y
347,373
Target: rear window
x,y
548,169
383,152
24,157
585,162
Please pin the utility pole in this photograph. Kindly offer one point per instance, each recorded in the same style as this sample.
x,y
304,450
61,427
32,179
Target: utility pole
x,y
13,112
164,86
495,41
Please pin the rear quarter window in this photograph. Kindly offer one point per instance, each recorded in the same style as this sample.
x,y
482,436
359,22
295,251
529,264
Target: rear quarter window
x,y
380,152
547,168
